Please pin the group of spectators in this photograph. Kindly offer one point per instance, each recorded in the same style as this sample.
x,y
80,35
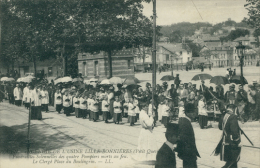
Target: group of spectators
x,y
108,101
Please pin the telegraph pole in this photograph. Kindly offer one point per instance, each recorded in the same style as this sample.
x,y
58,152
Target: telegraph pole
x,y
154,53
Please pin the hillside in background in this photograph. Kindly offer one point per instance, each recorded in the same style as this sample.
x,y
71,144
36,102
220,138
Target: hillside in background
x,y
188,29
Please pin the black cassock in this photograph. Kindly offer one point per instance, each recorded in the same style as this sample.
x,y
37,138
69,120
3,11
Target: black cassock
x,y
186,147
165,157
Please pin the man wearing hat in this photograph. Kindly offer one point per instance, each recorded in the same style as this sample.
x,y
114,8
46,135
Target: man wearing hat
x,y
182,92
231,95
165,157
177,81
241,101
255,84
228,146
187,150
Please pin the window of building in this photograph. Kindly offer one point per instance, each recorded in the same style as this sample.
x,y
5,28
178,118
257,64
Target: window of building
x,y
129,64
84,69
49,71
167,57
180,52
96,68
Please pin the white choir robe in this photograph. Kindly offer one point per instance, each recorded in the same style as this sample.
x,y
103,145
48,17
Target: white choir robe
x,y
104,104
131,110
56,100
81,105
45,97
165,110
89,104
18,93
67,103
75,99
117,104
36,98
25,95
160,111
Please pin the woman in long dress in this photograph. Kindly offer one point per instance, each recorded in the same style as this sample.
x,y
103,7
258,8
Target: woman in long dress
x,y
146,140
203,115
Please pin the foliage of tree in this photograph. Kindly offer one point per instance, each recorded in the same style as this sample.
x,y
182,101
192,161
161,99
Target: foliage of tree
x,y
195,48
186,28
64,28
235,34
253,7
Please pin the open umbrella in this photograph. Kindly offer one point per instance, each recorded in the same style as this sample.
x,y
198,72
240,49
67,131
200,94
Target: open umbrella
x,y
77,80
218,80
19,80
4,78
236,80
57,81
66,79
130,81
167,78
10,79
27,80
201,77
93,80
115,80
105,82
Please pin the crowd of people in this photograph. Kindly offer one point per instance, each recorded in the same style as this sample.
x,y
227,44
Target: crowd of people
x,y
117,102
181,100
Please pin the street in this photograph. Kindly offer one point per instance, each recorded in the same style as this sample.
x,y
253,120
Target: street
x,y
56,132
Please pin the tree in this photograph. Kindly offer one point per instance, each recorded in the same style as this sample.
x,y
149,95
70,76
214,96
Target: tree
x,y
253,7
235,34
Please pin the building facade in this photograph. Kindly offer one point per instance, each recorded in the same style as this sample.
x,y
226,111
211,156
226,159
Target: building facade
x,y
96,65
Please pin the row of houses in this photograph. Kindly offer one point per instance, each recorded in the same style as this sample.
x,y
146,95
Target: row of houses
x,y
126,61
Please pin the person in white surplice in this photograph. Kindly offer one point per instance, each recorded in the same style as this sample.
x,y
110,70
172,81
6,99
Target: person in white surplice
x,y
147,147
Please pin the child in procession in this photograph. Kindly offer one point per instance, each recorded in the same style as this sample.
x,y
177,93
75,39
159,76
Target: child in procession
x,y
58,100
166,112
89,106
45,99
95,109
76,105
105,108
67,103
117,109
131,113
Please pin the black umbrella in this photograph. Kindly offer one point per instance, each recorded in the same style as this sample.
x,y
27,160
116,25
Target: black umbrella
x,y
201,77
237,80
167,78
218,80
130,81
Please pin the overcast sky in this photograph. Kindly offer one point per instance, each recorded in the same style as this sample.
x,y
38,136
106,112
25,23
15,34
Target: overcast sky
x,y
212,11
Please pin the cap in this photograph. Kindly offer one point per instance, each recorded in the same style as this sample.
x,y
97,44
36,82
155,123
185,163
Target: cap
x,y
172,128
111,88
165,84
148,84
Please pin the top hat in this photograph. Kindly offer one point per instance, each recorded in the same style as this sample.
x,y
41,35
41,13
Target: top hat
x,y
172,128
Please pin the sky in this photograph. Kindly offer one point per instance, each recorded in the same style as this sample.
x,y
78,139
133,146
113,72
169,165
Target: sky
x,y
212,11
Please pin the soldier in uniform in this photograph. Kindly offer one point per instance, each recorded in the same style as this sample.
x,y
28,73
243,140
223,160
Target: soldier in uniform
x,y
241,101
228,146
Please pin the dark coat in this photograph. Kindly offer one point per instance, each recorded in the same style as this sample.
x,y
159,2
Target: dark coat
x,y
228,145
186,146
165,157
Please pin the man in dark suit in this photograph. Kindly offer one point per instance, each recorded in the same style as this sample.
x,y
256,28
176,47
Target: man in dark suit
x,y
186,146
165,157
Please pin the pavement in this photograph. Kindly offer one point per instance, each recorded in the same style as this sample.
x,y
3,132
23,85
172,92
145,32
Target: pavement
x,y
56,133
